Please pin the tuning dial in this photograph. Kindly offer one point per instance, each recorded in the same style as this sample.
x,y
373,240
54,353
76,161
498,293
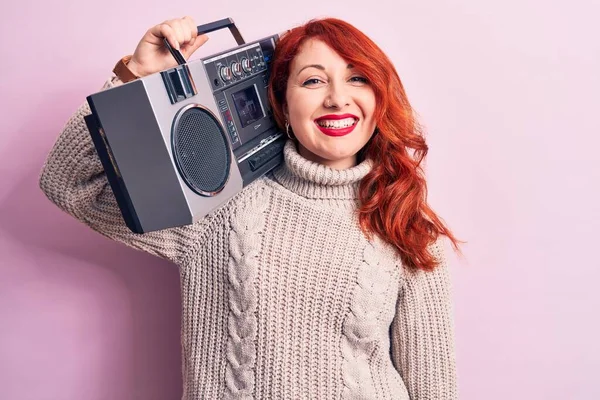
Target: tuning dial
x,y
225,73
246,65
236,68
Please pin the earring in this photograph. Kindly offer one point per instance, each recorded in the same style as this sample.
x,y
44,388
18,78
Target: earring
x,y
287,130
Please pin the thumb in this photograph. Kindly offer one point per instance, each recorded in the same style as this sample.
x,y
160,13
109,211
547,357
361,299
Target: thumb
x,y
190,48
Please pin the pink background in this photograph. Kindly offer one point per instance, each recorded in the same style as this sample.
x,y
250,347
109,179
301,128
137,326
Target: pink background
x,y
508,92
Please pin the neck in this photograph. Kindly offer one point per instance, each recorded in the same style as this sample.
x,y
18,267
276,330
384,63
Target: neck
x,y
314,180
340,164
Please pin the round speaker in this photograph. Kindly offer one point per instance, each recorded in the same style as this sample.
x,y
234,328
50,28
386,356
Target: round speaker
x,y
201,150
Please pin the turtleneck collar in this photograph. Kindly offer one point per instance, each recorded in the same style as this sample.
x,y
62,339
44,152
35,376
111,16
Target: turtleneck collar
x,y
316,181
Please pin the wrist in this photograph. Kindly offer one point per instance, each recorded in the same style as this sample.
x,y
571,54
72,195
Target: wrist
x,y
134,68
124,72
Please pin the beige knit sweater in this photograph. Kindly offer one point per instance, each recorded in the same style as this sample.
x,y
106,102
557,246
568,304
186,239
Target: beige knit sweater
x,y
283,296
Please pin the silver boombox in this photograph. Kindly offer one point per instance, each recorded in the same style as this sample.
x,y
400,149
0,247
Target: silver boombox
x,y
179,143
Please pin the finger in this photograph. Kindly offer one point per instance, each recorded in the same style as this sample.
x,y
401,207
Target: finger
x,y
166,31
192,47
178,35
200,40
189,23
176,25
192,26
185,28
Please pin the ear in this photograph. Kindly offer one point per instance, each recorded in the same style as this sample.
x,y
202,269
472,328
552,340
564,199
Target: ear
x,y
286,111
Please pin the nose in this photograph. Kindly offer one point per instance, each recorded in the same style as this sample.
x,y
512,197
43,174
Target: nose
x,y
337,96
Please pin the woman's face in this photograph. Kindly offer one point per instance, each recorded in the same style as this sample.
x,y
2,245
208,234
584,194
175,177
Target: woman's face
x,y
330,106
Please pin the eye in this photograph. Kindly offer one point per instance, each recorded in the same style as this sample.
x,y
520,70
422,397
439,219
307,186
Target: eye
x,y
359,79
311,82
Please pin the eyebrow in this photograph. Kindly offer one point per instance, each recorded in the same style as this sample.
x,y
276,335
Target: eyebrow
x,y
319,66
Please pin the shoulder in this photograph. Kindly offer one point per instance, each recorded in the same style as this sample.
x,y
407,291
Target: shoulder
x,y
249,197
439,278
231,212
256,194
260,188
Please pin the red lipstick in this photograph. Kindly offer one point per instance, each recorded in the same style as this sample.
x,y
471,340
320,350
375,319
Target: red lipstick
x,y
334,131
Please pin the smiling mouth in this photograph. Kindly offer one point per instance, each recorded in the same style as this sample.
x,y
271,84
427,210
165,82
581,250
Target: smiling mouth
x,y
337,127
337,123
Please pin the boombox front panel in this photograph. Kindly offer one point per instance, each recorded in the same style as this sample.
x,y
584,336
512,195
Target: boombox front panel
x,y
166,115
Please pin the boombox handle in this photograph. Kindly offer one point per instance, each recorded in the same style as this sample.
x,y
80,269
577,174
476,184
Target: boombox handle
x,y
206,28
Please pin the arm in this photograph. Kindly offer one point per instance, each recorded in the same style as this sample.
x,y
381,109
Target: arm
x,y
422,333
73,178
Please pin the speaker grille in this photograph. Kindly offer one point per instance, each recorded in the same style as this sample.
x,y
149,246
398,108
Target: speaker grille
x,y
201,151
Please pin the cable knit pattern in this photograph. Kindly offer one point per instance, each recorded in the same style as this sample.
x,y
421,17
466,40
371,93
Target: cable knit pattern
x,y
283,297
359,330
244,244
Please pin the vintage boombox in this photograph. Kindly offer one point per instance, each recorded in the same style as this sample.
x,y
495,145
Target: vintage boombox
x,y
179,143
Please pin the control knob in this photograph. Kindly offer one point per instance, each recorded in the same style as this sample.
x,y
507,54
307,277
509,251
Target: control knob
x,y
236,68
225,73
246,65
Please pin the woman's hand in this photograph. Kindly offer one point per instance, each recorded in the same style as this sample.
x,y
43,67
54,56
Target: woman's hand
x,y
151,55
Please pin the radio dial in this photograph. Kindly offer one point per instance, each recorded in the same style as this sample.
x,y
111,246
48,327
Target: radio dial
x,y
225,73
236,68
246,65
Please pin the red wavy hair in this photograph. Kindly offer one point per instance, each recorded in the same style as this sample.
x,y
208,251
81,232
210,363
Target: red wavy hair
x,y
393,194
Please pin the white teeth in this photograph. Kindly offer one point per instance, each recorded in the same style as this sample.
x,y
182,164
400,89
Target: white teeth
x,y
337,123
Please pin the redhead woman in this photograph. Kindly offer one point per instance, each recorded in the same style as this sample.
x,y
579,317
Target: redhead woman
x,y
324,279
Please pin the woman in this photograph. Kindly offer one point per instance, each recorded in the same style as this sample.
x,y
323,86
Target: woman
x,y
324,279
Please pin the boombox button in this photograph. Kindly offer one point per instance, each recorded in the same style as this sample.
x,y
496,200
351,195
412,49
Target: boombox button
x,y
260,160
255,163
179,83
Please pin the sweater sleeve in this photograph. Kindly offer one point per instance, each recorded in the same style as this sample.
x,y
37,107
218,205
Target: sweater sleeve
x,y
73,178
423,332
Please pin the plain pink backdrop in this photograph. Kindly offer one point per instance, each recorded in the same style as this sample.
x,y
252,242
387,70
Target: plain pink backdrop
x,y
509,94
